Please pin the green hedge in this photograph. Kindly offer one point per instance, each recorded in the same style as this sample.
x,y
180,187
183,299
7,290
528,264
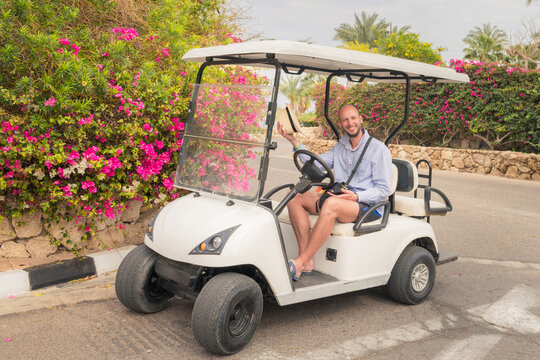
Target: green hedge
x,y
499,108
93,97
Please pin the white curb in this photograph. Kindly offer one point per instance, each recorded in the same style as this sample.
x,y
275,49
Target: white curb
x,y
14,282
109,260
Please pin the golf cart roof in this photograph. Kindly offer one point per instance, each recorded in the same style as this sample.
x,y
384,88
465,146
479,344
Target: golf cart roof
x,y
325,59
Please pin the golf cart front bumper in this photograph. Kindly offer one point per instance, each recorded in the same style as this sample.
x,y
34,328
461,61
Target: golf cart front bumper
x,y
179,278
446,257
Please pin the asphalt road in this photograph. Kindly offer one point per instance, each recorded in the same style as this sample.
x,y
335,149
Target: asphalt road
x,y
484,306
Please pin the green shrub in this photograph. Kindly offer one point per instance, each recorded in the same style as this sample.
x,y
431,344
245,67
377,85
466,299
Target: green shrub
x,y
93,97
307,120
499,107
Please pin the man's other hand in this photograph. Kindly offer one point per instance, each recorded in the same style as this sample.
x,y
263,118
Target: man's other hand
x,y
346,195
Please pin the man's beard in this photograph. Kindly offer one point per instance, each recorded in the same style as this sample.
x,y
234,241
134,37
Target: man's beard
x,y
355,134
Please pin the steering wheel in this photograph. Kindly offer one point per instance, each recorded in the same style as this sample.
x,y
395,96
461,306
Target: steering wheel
x,y
312,171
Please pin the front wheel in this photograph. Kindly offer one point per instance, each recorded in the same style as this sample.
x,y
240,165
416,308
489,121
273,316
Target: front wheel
x,y
137,285
412,277
227,313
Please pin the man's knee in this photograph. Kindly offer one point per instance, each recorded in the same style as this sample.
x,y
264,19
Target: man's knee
x,y
295,200
344,210
331,206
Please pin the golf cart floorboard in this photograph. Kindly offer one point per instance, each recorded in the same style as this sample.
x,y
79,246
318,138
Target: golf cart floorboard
x,y
315,278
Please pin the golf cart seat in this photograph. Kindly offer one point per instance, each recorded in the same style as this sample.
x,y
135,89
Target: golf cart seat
x,y
407,183
340,229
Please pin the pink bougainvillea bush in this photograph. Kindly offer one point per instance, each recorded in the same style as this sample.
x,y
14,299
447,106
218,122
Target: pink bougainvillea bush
x,y
93,101
499,108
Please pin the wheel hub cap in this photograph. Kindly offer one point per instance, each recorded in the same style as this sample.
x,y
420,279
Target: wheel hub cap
x,y
240,318
419,277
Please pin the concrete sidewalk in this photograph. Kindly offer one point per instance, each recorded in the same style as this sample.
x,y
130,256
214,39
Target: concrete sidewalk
x,y
17,281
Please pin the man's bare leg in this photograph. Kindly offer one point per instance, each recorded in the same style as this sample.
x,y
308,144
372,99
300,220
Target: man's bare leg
x,y
345,211
300,222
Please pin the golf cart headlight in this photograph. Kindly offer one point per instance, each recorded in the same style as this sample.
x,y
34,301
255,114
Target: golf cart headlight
x,y
150,227
214,244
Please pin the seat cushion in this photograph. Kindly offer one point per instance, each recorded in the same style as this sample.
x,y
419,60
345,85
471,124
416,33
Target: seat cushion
x,y
413,206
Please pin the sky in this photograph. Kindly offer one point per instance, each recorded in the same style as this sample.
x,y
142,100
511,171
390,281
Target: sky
x,y
443,23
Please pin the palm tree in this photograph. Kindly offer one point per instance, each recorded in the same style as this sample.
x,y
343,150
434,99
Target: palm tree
x,y
365,30
394,29
526,52
297,90
486,43
527,55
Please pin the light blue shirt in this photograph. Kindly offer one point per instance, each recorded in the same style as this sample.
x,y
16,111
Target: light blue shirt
x,y
372,179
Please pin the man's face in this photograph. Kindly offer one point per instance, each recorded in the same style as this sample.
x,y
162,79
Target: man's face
x,y
350,120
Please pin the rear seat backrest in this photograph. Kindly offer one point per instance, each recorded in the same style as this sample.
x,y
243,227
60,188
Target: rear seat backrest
x,y
407,179
393,184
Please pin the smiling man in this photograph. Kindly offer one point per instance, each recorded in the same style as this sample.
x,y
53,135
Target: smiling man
x,y
369,184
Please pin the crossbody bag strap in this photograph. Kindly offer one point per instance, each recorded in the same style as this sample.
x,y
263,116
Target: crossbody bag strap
x,y
359,160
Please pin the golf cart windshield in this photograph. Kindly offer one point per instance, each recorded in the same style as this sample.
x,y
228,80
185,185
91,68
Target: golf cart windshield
x,y
224,139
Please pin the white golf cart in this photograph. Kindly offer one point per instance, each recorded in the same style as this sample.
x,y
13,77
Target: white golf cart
x,y
226,245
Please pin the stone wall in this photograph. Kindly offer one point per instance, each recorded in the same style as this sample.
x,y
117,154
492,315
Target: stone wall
x,y
30,235
509,164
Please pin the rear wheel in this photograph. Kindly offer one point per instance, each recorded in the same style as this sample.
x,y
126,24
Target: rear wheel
x,y
226,313
412,277
137,285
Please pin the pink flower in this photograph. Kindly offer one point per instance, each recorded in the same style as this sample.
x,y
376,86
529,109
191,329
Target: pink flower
x,y
75,48
100,67
105,54
64,41
74,155
183,73
87,120
168,183
165,52
67,191
89,185
126,34
50,102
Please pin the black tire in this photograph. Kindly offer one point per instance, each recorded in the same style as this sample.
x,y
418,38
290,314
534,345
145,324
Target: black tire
x,y
412,277
136,282
227,313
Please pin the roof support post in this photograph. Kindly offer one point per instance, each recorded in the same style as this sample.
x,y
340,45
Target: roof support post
x,y
406,114
326,100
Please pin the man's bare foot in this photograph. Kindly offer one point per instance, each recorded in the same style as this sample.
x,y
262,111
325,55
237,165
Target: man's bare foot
x,y
309,266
